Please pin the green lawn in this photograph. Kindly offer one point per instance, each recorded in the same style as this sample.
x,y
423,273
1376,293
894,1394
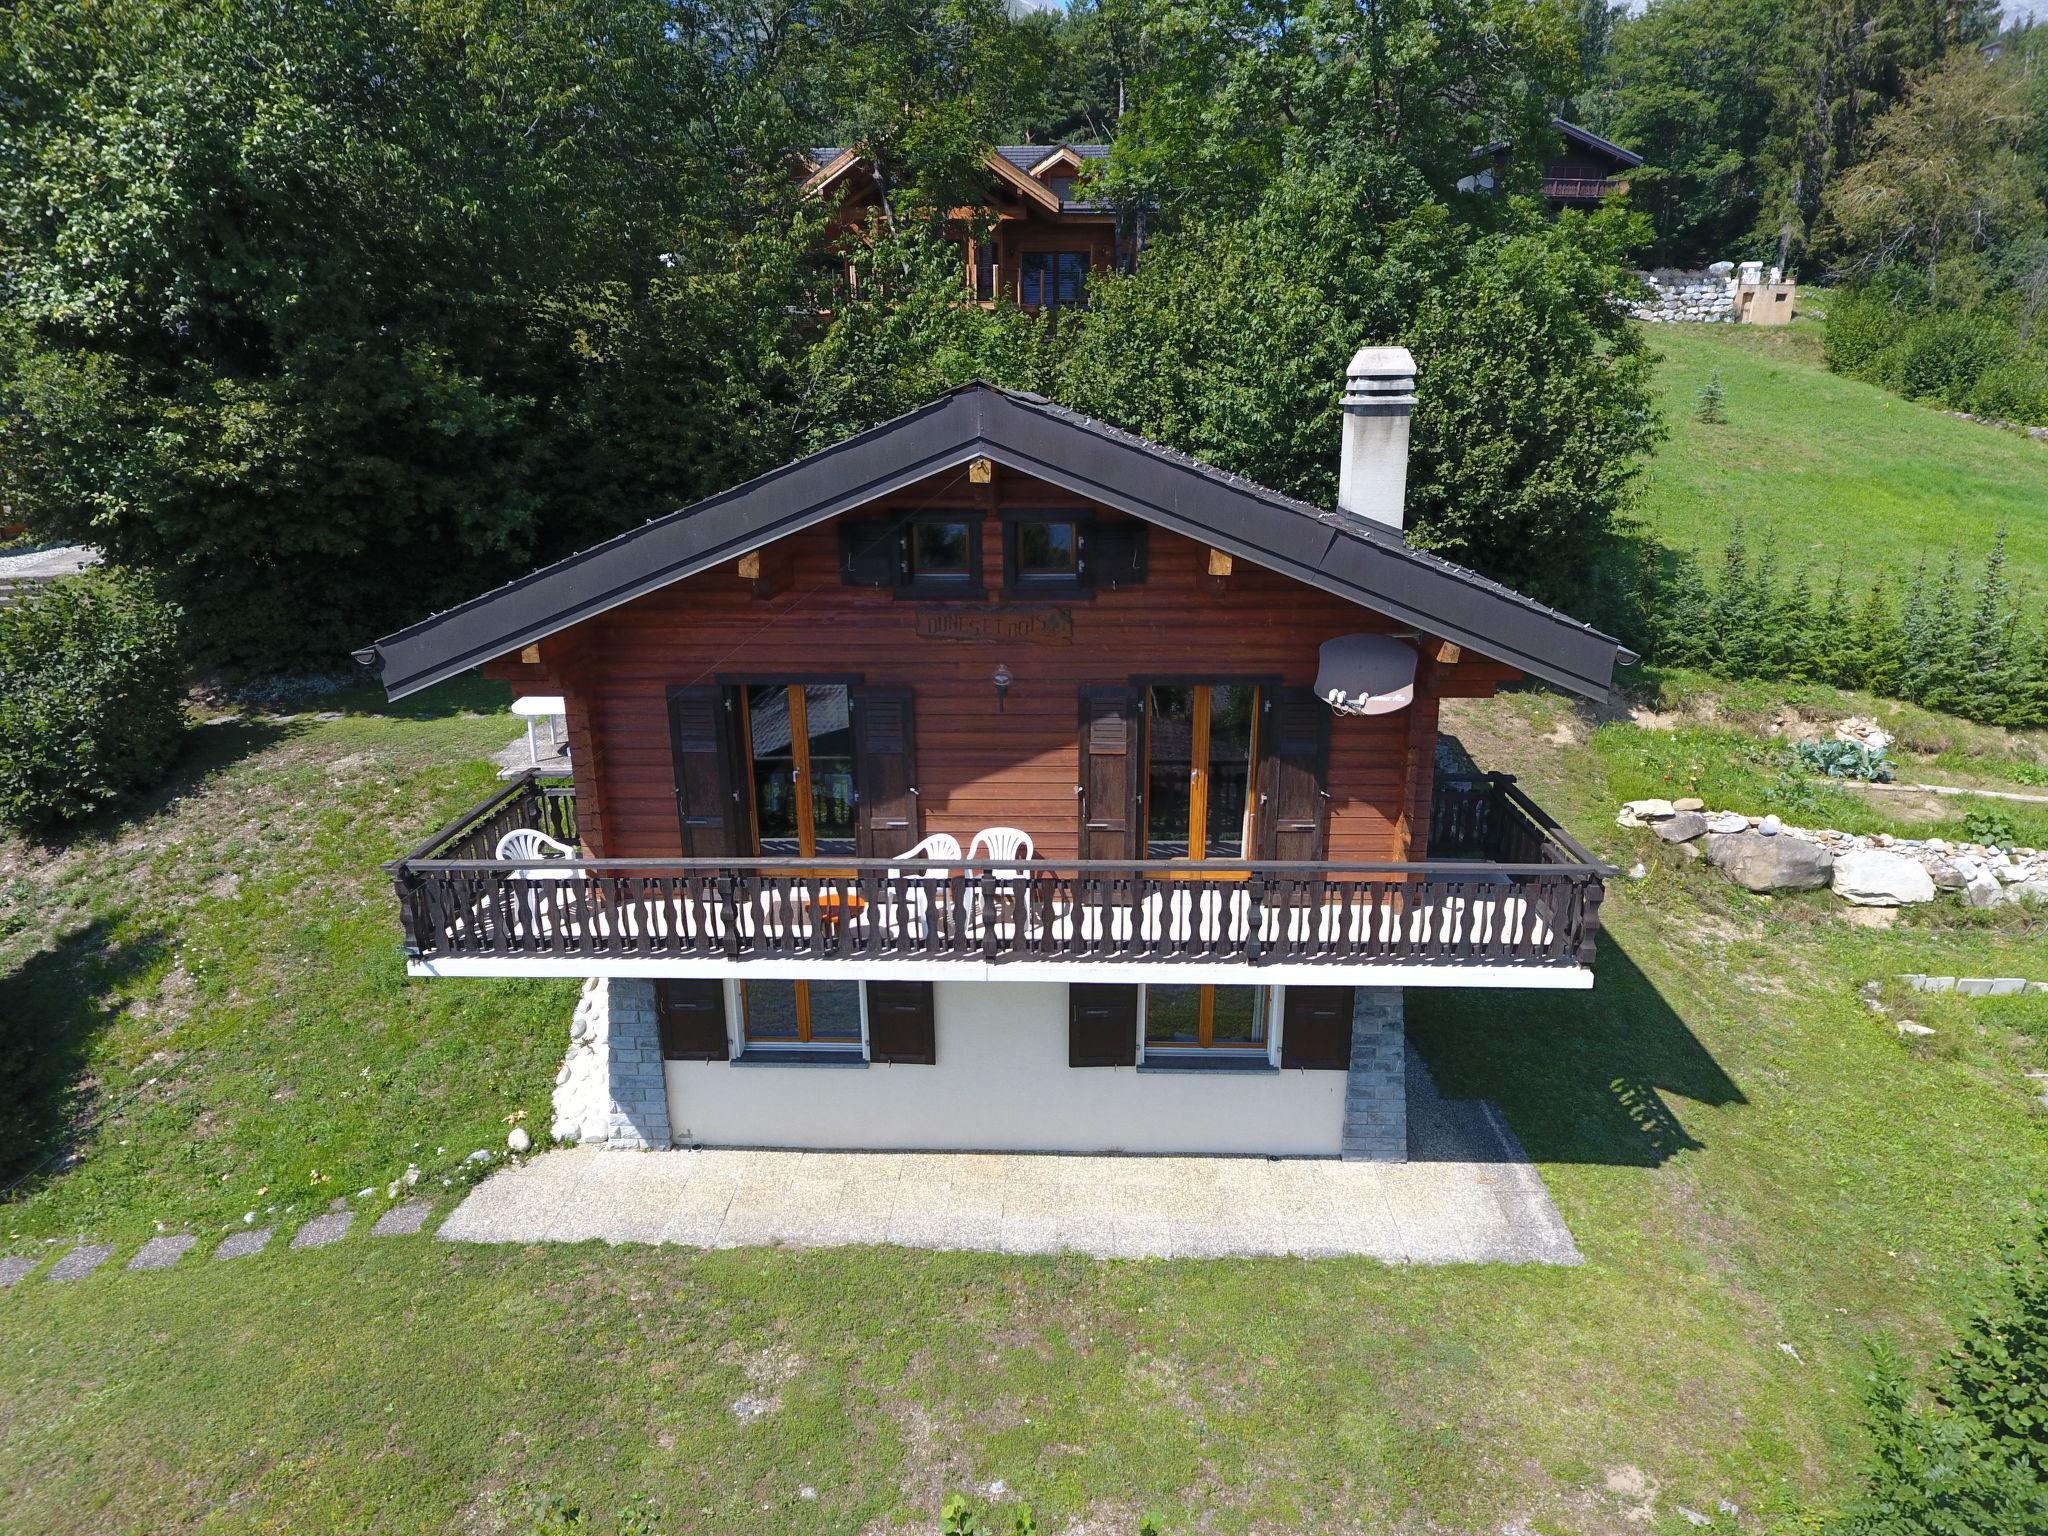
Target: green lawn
x,y
1838,472
1761,1174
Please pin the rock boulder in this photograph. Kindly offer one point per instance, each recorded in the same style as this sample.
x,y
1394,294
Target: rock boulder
x,y
1759,863
1682,828
1872,877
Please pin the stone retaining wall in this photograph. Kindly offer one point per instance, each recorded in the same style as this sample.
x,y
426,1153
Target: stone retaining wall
x,y
1761,853
1698,297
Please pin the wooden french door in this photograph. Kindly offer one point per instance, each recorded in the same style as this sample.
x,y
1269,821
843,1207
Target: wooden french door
x,y
800,769
1201,752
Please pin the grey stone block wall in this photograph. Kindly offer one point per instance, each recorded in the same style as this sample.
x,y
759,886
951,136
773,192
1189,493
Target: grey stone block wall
x,y
639,1091
1376,1090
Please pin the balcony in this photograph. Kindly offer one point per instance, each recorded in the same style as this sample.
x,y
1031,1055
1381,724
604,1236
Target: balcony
x,y
1580,189
1510,900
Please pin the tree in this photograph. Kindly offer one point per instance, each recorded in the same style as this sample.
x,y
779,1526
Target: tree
x,y
1230,342
1947,174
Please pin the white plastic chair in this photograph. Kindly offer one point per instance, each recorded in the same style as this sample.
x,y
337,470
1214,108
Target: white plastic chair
x,y
997,843
524,843
917,902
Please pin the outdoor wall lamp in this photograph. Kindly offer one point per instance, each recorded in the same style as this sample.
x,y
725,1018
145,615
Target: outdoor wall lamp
x,y
1002,681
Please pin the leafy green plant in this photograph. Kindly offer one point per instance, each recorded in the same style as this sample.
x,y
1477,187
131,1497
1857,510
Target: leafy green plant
x,y
1987,824
91,697
1844,760
2027,773
1970,1453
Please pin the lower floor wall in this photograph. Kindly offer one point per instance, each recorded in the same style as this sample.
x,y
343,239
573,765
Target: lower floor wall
x,y
1000,1082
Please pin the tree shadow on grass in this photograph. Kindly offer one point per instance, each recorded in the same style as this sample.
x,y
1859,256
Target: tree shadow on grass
x,y
1583,1077
53,1006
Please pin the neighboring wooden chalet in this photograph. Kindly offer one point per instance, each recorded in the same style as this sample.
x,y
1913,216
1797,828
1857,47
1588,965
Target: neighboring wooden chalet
x,y
1587,169
1030,240
1090,790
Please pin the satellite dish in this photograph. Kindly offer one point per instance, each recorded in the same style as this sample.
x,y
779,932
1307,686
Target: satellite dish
x,y
1366,674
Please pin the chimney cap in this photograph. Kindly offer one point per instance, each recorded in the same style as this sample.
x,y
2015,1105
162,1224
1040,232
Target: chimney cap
x,y
1380,377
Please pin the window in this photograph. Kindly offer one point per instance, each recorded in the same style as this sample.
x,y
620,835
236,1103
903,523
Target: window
x,y
922,554
1182,1018
823,1014
940,552
1044,553
1062,187
1053,280
800,748
1199,749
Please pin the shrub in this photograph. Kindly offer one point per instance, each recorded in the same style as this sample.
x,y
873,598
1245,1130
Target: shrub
x,y
91,684
1707,404
1993,828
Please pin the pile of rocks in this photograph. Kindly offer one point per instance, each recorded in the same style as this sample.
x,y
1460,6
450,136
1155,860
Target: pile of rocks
x,y
1698,296
1761,853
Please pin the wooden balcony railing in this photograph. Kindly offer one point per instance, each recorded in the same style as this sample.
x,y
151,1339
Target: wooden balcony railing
x,y
1580,189
1526,895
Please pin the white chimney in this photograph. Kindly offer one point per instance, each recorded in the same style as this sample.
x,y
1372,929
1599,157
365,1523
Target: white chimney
x,y
1379,397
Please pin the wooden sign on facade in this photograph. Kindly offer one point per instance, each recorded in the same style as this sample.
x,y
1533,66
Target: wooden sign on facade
x,y
992,626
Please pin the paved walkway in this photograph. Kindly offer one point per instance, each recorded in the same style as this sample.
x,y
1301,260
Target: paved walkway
x,y
1468,1194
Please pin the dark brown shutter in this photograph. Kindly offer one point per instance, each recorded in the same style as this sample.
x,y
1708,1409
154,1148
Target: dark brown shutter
x,y
692,1020
707,797
871,554
884,770
1294,767
1110,763
1316,1031
900,1024
1113,554
1102,1025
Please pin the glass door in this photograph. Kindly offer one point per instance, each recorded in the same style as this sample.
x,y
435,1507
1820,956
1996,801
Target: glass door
x,y
800,745
1199,749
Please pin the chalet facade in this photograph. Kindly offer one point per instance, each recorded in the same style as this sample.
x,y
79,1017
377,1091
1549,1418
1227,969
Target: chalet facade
x,y
1030,240
1586,169
1080,796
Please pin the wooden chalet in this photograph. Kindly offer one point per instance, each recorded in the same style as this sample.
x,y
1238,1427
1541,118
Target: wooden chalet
x,y
995,749
1030,240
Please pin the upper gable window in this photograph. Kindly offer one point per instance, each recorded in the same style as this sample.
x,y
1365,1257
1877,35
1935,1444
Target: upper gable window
x,y
1062,187
922,554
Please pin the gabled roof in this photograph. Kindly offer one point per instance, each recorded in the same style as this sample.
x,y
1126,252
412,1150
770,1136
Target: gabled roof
x,y
1587,139
1015,164
1363,562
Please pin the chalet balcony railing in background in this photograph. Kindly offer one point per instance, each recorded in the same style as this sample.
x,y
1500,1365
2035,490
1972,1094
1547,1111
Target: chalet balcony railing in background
x,y
1538,907
1580,189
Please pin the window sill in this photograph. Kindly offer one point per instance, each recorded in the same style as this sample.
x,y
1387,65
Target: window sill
x,y
1246,1064
1048,592
757,1057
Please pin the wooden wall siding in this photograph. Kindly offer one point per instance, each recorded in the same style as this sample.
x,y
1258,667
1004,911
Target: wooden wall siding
x,y
979,765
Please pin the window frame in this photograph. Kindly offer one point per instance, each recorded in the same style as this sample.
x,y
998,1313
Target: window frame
x,y
1271,1008
743,1045
969,586
1049,259
1022,586
1200,761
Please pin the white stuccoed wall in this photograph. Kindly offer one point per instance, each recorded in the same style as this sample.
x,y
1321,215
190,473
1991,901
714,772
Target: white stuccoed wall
x,y
1002,1083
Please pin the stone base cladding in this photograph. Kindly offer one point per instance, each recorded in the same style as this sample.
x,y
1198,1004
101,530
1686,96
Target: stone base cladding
x,y
1696,296
1376,1093
611,1087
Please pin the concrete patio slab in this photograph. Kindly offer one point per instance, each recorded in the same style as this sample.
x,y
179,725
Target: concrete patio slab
x,y
1467,1195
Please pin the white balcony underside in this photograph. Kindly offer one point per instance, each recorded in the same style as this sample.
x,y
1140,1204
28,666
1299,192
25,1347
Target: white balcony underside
x,y
911,968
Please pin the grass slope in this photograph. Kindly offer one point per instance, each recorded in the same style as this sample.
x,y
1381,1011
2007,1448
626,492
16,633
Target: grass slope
x,y
1748,1158
1837,471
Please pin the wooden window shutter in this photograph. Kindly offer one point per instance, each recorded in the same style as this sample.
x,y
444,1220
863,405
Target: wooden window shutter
x,y
692,1020
1316,1028
871,554
707,797
1110,766
1113,554
884,770
1102,1025
1294,770
901,1027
